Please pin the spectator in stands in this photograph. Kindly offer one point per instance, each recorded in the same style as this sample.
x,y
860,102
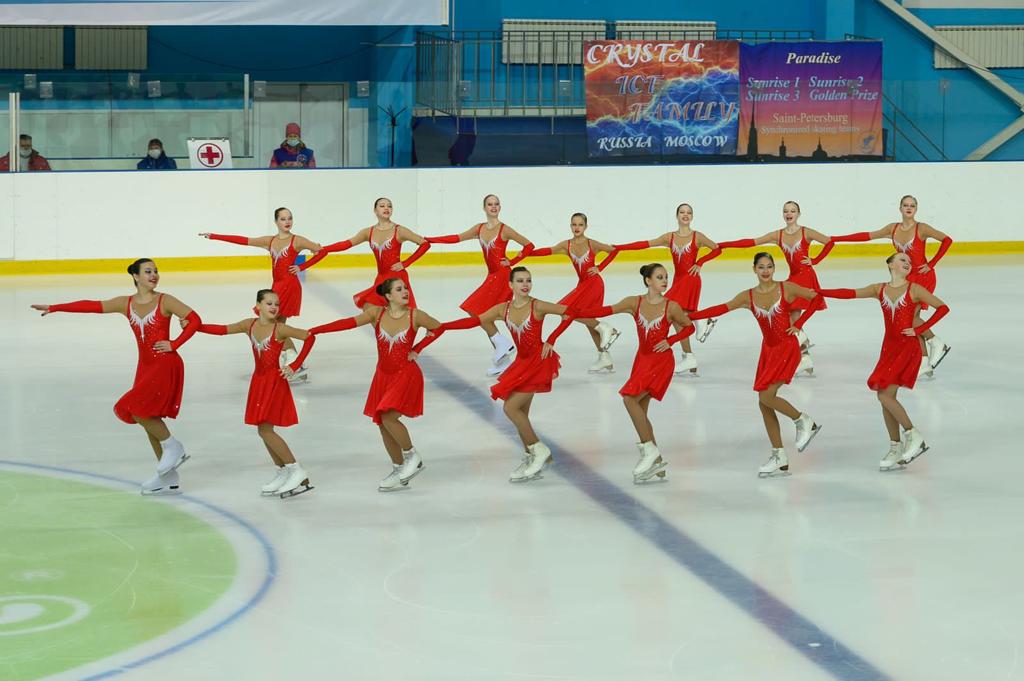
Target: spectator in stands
x,y
156,159
28,158
293,153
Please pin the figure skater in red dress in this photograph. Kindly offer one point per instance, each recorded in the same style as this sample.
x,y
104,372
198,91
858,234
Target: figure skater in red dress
x,y
589,291
909,236
898,362
684,245
771,303
795,242
385,240
654,314
494,237
269,403
160,375
397,386
284,248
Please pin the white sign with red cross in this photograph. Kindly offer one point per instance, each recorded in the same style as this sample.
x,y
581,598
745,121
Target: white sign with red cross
x,y
210,153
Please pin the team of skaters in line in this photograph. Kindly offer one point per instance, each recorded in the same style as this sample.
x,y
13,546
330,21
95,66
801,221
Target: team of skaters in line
x,y
665,312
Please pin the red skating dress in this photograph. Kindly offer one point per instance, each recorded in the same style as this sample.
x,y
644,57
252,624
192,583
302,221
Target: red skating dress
x,y
652,371
528,373
286,285
900,359
589,291
495,288
780,352
270,397
159,376
386,253
397,383
915,250
685,289
799,273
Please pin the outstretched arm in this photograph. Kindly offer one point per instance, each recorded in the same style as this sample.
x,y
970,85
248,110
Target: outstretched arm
x,y
850,293
864,236
367,316
470,233
259,242
738,301
337,247
118,304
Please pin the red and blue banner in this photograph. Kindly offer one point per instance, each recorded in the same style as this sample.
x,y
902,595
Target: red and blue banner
x,y
662,97
811,101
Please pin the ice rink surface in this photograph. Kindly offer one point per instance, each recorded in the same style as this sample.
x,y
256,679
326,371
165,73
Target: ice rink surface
x,y
837,571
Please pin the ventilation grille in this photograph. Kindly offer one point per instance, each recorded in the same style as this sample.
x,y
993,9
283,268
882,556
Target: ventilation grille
x,y
531,41
666,30
990,46
32,47
110,48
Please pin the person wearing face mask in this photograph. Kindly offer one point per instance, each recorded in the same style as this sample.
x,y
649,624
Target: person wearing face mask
x,y
293,152
28,158
156,158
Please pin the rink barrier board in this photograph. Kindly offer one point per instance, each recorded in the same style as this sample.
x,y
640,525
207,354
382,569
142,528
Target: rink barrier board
x,y
450,259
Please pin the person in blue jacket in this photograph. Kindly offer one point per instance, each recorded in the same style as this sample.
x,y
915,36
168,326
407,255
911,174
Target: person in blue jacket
x,y
293,152
156,159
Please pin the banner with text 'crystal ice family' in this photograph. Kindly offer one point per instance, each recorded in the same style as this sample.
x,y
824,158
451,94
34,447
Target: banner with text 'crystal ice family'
x,y
811,101
662,97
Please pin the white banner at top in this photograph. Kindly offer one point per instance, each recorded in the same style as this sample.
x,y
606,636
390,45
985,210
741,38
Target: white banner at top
x,y
224,12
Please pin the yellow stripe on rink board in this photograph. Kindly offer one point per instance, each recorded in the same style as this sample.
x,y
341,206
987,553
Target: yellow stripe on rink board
x,y
449,259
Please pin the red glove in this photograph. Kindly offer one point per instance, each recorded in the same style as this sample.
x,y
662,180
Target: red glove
x,y
592,313
191,329
687,331
93,306
566,323
632,246
307,345
715,252
339,325
939,313
739,243
708,313
525,253
213,329
428,339
857,236
450,239
423,248
337,247
460,324
816,303
838,292
824,252
240,240
538,252
608,259
943,247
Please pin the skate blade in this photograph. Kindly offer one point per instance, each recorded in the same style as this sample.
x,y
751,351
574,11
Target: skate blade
x,y
162,491
945,351
692,373
814,434
908,460
612,337
530,478
419,469
707,330
898,466
654,470
301,489
606,370
780,473
660,476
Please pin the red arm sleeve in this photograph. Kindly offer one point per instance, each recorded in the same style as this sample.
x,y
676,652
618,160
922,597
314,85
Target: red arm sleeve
x,y
738,243
608,259
939,313
943,247
856,236
417,254
307,345
93,306
715,252
448,239
193,326
709,312
592,313
460,324
339,325
325,251
687,331
525,253
240,240
815,305
213,329
824,252
632,246
559,330
838,292
428,339
538,252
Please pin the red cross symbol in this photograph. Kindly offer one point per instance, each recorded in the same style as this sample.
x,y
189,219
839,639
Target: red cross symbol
x,y
210,155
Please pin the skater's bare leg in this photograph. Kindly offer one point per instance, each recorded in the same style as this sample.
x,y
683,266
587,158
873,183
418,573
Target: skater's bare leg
x,y
391,445
156,431
636,407
517,409
770,403
275,444
895,414
397,430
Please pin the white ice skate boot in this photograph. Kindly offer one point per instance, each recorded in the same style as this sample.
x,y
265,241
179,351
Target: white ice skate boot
x,y
926,369
161,485
913,445
937,351
412,465
270,489
503,346
806,364
173,456
498,368
891,460
540,455
805,342
518,471
777,464
687,362
287,357
806,429
392,482
650,463
708,326
603,365
296,483
607,334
